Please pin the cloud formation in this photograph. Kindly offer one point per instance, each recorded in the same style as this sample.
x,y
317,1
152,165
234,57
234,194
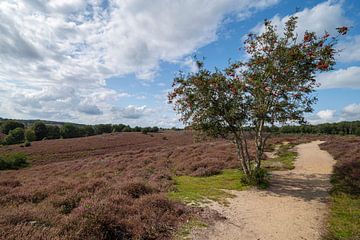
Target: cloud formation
x,y
55,56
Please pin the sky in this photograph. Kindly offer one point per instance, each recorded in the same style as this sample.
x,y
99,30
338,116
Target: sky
x,y
113,61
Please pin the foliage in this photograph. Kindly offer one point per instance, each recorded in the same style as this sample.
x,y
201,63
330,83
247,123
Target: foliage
x,y
346,177
341,128
118,127
13,161
87,130
103,128
53,132
274,86
69,131
194,189
15,136
8,125
40,130
30,135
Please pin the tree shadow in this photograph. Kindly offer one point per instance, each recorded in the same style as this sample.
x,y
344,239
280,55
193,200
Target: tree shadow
x,y
306,187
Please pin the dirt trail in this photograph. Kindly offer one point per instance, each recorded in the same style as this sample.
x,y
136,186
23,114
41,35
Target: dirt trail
x,y
294,207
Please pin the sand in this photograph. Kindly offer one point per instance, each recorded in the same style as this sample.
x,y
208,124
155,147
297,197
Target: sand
x,y
294,207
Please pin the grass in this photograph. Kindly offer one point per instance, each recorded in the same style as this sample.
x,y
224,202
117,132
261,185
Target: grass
x,y
344,219
199,189
185,230
284,160
13,161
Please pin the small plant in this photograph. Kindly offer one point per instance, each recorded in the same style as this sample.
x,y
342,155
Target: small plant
x,y
259,178
13,161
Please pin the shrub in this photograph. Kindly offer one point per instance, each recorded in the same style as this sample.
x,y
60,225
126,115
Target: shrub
x,y
357,131
40,130
103,128
15,136
9,125
87,130
53,132
118,127
13,161
346,177
30,135
259,178
127,129
69,131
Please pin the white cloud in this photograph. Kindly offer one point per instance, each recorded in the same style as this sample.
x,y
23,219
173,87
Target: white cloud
x,y
326,115
342,78
351,112
56,55
323,17
350,49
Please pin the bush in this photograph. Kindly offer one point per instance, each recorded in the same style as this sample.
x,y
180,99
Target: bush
x,y
53,132
87,130
346,177
30,135
40,130
357,131
9,125
13,161
69,131
127,129
259,178
15,136
118,127
103,128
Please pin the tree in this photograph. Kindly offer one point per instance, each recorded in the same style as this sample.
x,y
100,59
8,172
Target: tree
x,y
53,132
273,87
69,131
103,128
9,125
30,135
15,136
40,130
88,130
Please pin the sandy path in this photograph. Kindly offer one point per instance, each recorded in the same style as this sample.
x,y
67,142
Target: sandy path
x,y
294,207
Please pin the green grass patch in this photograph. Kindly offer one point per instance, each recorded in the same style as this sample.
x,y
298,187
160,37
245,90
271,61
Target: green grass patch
x,y
185,230
199,189
344,219
284,160
13,161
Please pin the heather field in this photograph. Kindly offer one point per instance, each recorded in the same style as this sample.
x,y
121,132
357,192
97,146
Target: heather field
x,y
105,187
123,185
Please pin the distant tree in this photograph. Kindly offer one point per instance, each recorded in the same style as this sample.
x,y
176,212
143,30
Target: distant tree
x,y
8,125
15,136
53,132
40,130
103,128
274,86
155,129
127,129
88,130
357,131
118,127
30,135
69,130
137,129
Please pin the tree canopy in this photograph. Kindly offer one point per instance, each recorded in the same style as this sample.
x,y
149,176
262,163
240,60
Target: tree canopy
x,y
274,86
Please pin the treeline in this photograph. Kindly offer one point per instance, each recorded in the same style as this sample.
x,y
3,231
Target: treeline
x,y
340,128
16,132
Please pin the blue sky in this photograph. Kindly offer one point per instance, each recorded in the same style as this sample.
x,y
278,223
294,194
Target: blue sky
x,y
113,61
